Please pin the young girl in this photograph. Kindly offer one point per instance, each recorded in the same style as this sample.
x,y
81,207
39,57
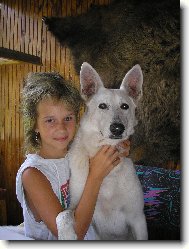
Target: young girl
x,y
50,112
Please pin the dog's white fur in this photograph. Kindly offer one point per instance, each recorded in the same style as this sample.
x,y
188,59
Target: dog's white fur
x,y
120,201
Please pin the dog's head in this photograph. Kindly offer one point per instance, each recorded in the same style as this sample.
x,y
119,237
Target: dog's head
x,y
110,112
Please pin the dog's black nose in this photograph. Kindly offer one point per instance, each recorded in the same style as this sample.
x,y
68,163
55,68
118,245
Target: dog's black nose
x,y
117,129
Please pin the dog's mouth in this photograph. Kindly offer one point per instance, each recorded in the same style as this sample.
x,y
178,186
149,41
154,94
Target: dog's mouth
x,y
115,136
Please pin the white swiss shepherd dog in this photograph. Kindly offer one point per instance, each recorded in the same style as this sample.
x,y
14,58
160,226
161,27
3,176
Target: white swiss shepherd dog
x,y
109,119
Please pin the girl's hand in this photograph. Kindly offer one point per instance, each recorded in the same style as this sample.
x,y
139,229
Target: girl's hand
x,y
124,148
103,162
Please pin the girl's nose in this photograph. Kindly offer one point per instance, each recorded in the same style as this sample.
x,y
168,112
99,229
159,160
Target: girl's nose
x,y
62,126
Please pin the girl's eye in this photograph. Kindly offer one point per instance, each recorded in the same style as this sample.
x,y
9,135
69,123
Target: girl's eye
x,y
50,120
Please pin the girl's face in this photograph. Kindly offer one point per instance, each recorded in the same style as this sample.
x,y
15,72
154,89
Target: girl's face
x,y
56,125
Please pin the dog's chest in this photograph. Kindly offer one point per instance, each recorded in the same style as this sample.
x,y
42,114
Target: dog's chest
x,y
120,185
112,185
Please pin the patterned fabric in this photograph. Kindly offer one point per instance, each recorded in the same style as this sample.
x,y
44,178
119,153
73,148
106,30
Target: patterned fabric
x,y
65,195
161,196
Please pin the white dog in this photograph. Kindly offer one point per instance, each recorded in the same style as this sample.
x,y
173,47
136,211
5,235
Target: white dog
x,y
109,119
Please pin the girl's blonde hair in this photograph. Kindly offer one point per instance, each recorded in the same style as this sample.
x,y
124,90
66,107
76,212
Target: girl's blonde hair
x,y
38,86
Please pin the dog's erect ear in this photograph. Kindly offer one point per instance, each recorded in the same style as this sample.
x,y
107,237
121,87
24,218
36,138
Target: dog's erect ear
x,y
90,81
132,83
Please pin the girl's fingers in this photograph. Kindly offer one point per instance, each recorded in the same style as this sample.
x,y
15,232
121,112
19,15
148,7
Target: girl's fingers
x,y
116,161
125,143
112,155
125,153
115,155
111,150
104,148
108,153
125,148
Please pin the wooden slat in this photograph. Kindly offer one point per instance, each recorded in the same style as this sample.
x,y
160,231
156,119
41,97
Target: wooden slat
x,y
2,133
5,17
35,28
73,7
14,141
15,30
23,27
30,8
10,35
27,27
39,30
19,128
19,21
1,27
8,27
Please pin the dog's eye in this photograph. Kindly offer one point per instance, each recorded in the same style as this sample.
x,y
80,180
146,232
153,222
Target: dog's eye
x,y
103,106
124,106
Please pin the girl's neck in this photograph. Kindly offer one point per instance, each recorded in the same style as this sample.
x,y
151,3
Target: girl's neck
x,y
52,154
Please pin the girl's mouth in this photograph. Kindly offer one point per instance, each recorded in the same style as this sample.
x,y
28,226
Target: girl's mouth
x,y
61,139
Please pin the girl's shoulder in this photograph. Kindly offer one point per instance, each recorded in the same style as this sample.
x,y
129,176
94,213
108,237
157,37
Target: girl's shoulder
x,y
46,166
35,160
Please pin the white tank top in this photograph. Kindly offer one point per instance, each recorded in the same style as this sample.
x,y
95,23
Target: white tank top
x,y
57,171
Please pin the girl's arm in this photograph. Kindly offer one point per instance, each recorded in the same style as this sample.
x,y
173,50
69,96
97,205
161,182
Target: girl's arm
x,y
44,204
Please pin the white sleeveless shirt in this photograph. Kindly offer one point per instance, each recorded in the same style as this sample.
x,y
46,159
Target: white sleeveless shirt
x,y
57,171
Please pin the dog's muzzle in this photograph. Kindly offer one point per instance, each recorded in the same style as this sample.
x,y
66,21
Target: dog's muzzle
x,y
117,130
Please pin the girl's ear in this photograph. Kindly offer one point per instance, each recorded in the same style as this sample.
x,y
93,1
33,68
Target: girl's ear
x,y
132,83
90,81
36,128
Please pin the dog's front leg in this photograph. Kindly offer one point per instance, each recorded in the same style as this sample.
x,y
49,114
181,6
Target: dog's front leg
x,y
77,181
139,227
